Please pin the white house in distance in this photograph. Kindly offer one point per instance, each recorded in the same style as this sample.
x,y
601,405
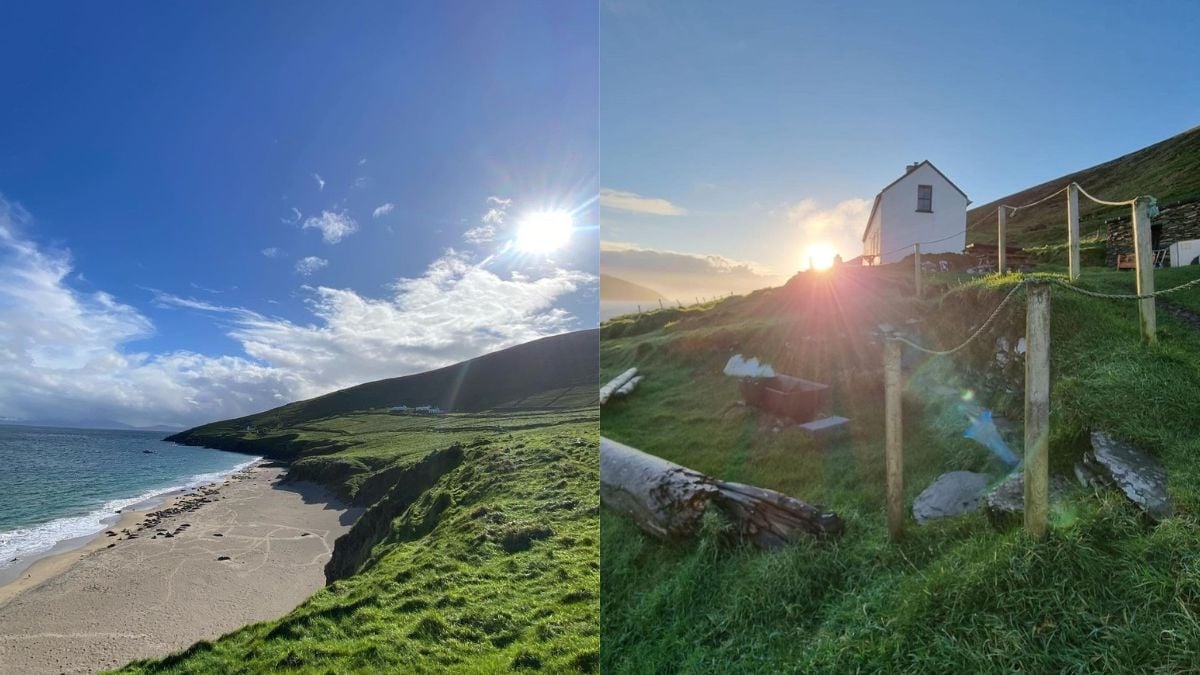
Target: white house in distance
x,y
920,206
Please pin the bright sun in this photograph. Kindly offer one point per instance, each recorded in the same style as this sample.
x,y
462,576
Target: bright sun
x,y
544,231
819,257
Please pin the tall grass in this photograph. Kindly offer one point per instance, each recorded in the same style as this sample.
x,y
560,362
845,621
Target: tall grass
x,y
1106,592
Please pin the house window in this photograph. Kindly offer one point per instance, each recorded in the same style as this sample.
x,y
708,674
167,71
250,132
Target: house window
x,y
925,198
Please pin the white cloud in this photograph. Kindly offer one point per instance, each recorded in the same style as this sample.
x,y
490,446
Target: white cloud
x,y
295,218
73,356
310,264
491,221
334,225
840,225
320,182
383,209
272,252
634,203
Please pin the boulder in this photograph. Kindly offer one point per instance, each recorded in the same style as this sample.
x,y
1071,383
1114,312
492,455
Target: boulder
x,y
1006,503
1138,474
952,494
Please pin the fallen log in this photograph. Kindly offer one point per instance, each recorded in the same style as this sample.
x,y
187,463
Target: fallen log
x,y
627,388
616,383
667,501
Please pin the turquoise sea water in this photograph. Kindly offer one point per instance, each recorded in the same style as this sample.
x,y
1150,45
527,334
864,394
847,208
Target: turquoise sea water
x,y
61,484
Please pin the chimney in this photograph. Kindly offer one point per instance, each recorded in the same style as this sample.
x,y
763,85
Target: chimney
x,y
911,167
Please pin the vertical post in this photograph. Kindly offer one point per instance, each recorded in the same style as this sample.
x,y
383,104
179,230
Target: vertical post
x,y
1073,230
917,259
1001,251
1143,250
894,432
1037,410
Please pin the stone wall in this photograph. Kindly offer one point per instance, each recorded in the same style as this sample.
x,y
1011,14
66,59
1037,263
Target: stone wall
x,y
1178,223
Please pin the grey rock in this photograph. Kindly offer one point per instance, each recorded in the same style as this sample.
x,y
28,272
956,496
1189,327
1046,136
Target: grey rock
x,y
952,494
1006,503
1139,475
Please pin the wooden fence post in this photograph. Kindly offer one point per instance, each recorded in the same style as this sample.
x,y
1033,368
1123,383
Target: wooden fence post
x,y
917,258
1073,230
1037,409
1143,250
1001,251
894,433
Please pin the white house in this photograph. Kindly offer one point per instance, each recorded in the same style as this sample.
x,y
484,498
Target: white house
x,y
920,206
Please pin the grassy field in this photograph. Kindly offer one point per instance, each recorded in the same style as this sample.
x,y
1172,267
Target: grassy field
x,y
1106,592
478,552
1168,170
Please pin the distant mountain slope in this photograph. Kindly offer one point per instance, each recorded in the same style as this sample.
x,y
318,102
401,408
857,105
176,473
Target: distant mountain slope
x,y
1169,170
553,372
616,288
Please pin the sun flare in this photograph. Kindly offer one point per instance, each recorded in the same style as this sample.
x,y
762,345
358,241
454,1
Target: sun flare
x,y
819,257
544,231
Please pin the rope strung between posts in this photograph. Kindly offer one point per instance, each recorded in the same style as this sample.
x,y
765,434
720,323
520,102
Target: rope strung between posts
x,y
1122,296
922,243
1052,280
1127,202
1014,209
978,331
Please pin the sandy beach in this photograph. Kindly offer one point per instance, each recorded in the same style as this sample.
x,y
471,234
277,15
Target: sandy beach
x,y
195,567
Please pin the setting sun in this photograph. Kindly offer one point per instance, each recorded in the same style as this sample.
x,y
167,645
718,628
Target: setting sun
x,y
819,257
544,231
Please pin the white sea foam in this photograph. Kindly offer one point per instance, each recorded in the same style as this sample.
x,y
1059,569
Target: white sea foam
x,y
36,540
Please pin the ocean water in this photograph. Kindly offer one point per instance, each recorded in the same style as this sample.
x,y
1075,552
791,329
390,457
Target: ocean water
x,y
62,484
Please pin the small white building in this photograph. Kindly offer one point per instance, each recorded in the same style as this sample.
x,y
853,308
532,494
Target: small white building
x,y
399,408
920,206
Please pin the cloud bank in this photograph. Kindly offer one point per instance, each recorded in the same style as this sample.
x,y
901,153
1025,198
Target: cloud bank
x,y
684,276
634,203
70,356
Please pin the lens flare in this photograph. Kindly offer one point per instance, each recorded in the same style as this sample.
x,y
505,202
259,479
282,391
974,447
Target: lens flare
x,y
544,231
819,257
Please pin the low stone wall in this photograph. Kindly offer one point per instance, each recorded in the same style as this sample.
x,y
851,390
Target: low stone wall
x,y
1178,223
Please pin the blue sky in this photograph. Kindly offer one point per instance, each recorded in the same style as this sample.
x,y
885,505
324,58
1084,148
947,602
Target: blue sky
x,y
759,128
195,219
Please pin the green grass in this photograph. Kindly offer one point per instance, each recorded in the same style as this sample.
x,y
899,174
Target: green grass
x,y
1106,592
1168,170
493,567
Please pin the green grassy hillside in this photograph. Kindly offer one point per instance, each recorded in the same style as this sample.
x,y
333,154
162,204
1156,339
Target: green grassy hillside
x,y
478,549
1169,170
1106,592
553,372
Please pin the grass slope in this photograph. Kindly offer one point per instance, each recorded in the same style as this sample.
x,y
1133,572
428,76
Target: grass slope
x,y
1169,170
1106,592
551,372
477,552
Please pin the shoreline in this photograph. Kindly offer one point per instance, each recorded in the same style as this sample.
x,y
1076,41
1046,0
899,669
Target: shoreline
x,y
196,565
31,565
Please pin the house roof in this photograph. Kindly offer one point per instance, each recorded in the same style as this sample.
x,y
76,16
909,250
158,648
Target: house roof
x,y
890,185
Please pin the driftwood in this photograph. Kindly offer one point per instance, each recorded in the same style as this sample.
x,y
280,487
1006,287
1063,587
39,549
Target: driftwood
x,y
627,388
667,501
614,385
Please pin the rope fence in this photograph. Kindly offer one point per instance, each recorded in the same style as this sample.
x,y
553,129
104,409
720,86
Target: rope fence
x,y
1057,281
